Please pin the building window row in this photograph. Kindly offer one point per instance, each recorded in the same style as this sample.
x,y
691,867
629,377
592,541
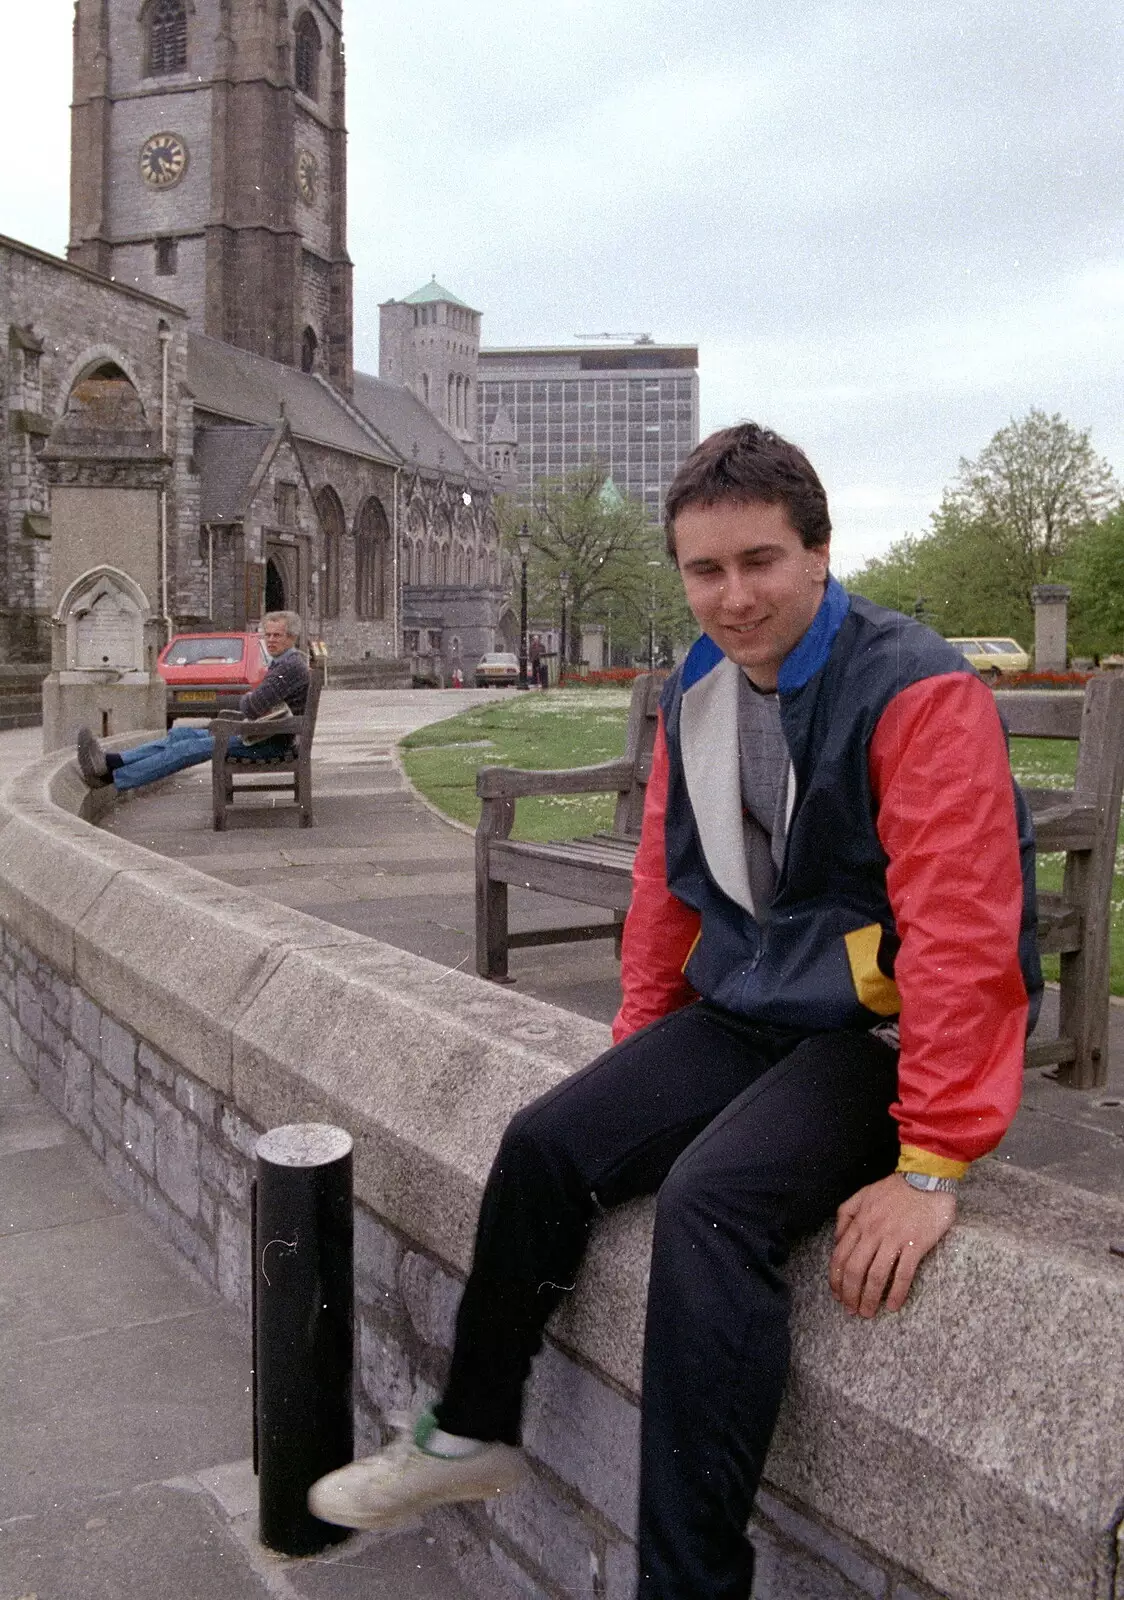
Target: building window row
x,y
372,555
167,45
455,317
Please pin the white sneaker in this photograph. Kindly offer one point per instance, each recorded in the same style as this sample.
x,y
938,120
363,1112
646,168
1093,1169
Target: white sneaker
x,y
404,1479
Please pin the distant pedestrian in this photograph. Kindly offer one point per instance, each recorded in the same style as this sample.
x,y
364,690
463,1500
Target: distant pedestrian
x,y
538,662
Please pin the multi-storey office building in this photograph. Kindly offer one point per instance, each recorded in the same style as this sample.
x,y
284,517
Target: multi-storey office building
x,y
634,407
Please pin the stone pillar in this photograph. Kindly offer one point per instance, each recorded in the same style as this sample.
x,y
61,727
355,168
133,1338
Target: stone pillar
x,y
1050,601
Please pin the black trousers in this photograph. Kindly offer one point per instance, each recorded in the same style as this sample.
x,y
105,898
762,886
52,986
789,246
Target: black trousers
x,y
750,1137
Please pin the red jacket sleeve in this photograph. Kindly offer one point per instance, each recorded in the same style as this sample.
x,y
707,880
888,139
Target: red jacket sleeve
x,y
946,818
659,930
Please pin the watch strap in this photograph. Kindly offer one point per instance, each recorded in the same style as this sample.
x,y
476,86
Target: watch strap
x,y
930,1184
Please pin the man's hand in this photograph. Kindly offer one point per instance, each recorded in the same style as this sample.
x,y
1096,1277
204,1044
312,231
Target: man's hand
x,y
882,1234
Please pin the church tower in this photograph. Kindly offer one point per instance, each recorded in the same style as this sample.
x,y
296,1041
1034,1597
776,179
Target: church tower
x,y
208,166
430,342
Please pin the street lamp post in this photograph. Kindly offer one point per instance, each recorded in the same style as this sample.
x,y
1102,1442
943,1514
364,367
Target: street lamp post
x,y
564,585
652,616
524,541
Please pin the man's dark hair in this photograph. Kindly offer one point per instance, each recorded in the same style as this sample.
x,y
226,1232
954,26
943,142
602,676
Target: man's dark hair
x,y
750,464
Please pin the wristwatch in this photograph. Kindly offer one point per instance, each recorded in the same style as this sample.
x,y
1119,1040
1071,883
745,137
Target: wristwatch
x,y
923,1180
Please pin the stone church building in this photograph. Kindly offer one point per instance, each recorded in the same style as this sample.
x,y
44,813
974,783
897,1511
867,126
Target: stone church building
x,y
197,344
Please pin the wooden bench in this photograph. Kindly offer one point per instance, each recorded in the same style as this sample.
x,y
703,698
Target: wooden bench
x,y
596,871
1075,923
1081,822
231,774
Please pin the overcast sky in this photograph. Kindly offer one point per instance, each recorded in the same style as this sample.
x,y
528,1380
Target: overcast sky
x,y
889,227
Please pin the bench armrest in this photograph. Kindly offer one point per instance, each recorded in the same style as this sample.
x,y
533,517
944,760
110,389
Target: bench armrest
x,y
1066,827
224,729
508,783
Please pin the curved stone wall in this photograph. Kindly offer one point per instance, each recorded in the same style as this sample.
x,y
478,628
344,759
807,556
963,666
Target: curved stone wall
x,y
971,1446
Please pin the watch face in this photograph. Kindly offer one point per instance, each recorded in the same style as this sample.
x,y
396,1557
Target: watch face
x,y
163,160
307,174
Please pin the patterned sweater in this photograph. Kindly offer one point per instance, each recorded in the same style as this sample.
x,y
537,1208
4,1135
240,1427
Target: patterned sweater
x,y
286,681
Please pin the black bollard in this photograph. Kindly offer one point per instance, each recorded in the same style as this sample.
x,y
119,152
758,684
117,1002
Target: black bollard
x,y
303,1324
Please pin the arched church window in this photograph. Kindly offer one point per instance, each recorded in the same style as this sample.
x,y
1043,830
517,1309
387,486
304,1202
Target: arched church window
x,y
308,56
309,346
333,525
372,542
167,37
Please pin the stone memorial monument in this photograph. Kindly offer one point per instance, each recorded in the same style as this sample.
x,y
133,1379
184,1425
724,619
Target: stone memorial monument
x,y
105,641
108,470
1051,602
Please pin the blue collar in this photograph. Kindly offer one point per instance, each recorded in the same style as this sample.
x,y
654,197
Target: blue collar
x,y
806,658
802,661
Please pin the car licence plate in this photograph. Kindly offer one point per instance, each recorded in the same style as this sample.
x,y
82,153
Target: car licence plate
x,y
195,694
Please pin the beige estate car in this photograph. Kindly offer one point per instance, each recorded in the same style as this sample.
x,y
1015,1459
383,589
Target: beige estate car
x,y
993,658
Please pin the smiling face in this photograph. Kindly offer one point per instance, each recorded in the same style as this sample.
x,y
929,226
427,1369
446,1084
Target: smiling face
x,y
751,583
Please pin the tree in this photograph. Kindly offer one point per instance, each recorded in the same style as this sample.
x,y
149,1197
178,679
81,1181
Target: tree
x,y
962,577
582,525
1039,484
1018,515
1094,569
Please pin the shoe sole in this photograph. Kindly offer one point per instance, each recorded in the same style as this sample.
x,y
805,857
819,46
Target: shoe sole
x,y
368,1522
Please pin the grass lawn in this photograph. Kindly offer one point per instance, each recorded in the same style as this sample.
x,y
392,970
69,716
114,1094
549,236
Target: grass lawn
x,y
578,727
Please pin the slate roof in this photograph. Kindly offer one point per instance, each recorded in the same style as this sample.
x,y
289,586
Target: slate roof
x,y
228,459
244,387
410,426
433,291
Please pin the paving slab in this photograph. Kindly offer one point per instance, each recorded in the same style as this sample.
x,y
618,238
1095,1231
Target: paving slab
x,y
92,1414
156,1542
46,1187
97,1276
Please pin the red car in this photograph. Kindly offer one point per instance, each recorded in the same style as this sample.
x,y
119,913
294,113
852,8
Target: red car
x,y
205,673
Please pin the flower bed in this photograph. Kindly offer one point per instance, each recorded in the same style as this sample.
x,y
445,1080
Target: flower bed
x,y
1044,680
609,675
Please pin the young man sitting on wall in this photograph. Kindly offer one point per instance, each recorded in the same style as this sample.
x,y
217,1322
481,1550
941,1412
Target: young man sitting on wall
x,y
826,971
284,687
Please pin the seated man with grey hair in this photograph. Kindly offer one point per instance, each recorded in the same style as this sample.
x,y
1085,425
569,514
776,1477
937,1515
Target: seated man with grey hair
x,y
284,688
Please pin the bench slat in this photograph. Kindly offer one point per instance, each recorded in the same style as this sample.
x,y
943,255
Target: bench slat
x,y
1042,713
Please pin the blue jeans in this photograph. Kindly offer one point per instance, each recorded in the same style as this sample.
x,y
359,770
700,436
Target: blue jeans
x,y
187,747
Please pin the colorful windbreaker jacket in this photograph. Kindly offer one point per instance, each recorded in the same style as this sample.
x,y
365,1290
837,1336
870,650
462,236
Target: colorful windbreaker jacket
x,y
907,885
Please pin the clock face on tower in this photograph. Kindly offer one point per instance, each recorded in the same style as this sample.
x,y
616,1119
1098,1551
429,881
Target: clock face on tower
x,y
307,174
163,160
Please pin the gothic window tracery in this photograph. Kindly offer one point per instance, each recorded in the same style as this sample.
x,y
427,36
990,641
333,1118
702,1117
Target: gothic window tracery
x,y
372,540
309,346
308,56
333,524
167,37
